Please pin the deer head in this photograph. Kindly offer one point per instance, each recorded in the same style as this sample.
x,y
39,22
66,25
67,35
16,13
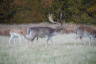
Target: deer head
x,y
59,28
50,17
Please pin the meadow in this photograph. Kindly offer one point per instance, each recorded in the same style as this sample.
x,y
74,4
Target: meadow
x,y
64,49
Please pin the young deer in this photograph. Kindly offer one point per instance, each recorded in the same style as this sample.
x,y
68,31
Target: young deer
x,y
16,33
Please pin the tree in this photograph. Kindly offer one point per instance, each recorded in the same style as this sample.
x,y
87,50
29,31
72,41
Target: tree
x,y
5,7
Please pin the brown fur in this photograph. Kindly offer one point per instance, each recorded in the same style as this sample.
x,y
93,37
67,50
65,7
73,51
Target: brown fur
x,y
87,29
20,31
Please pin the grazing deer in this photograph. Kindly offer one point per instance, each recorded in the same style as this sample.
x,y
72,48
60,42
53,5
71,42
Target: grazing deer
x,y
86,31
16,33
36,32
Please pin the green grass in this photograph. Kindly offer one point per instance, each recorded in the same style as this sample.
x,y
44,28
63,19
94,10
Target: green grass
x,y
37,53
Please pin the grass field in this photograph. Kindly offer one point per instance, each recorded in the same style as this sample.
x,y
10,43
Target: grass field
x,y
39,52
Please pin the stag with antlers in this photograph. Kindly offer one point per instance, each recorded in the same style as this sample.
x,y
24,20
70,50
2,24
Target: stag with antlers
x,y
36,32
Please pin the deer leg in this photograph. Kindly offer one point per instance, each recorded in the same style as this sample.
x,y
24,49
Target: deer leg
x,y
94,36
89,40
20,39
33,38
81,37
11,38
49,38
37,37
14,40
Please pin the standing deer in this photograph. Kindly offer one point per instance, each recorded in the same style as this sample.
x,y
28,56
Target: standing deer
x,y
36,32
16,33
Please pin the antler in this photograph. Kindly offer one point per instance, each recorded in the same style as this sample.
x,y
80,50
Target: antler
x,y
50,17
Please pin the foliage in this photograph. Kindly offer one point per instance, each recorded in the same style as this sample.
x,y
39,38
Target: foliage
x,y
5,7
29,11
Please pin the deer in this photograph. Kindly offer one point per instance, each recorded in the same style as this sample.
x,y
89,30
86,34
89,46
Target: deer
x,y
16,33
86,31
36,32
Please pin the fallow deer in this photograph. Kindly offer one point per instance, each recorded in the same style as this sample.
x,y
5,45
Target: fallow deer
x,y
16,33
86,31
36,32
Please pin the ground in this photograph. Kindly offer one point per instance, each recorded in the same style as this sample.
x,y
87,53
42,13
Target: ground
x,y
63,50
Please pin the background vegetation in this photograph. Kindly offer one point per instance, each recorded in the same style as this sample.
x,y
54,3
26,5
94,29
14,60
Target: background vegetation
x,y
33,11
